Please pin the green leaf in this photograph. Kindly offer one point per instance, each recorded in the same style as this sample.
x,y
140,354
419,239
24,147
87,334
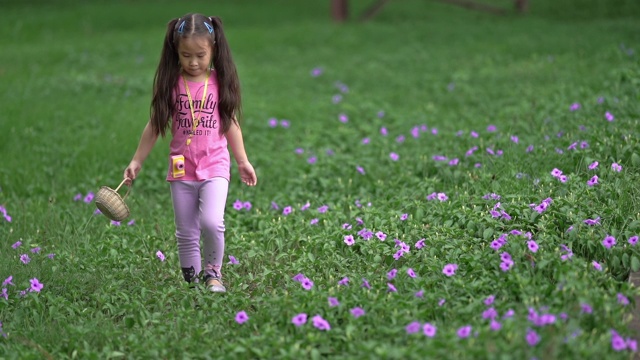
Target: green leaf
x,y
487,234
129,322
635,159
635,264
311,256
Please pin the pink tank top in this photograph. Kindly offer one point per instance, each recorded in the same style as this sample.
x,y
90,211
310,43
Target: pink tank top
x,y
207,155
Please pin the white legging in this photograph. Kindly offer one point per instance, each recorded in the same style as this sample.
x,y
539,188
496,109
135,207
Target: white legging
x,y
199,208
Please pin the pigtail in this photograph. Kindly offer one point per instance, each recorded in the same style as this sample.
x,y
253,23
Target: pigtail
x,y
229,99
164,82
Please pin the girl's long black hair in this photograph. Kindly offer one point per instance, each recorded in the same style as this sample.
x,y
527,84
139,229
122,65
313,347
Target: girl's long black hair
x,y
168,72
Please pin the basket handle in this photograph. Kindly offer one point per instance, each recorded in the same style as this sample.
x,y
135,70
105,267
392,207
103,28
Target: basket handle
x,y
128,188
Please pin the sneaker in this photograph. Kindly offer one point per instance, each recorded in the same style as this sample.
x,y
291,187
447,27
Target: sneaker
x,y
214,284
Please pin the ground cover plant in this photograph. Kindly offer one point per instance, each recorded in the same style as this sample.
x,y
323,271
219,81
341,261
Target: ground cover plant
x,y
434,183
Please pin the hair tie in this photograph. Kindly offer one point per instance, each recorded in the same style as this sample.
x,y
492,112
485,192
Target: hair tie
x,y
181,27
208,27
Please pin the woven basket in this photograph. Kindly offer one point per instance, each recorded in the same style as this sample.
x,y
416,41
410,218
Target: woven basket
x,y
111,204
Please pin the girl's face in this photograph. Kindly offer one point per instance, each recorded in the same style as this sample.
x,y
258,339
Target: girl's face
x,y
195,53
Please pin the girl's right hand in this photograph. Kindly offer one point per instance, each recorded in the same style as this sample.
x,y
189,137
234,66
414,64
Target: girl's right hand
x,y
131,172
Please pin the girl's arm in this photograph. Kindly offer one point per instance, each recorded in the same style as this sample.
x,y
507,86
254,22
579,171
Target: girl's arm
x,y
147,141
234,138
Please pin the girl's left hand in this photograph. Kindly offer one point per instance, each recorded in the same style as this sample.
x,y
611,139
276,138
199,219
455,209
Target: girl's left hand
x,y
247,174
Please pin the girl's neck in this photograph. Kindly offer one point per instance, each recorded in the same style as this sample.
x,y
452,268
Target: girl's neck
x,y
201,78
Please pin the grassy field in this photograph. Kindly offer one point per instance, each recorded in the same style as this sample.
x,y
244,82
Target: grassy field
x,y
435,183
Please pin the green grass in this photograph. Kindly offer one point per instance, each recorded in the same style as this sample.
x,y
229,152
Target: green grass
x,y
76,80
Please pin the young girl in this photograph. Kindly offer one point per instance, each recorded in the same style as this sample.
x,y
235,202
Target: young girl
x,y
196,93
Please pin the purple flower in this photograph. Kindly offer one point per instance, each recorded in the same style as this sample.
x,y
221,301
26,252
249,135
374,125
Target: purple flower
x,y
411,273
442,197
233,260
609,241
490,313
5,295
287,210
16,244
299,319
633,240
593,180
160,255
242,317
592,222
298,277
115,223
323,209
365,284
617,342
391,288
392,274
78,197
89,197
532,245
489,300
532,338
622,299
344,281
333,302
506,265
404,217
420,244
429,330
313,221
394,156
596,265
7,281
609,116
360,169
616,167
320,323
131,222
25,258
413,327
441,302
273,122
247,205
450,269
495,325
529,148
381,236
237,204
464,331
419,294
556,172
285,123
586,308
35,250
357,312
315,72
492,128
36,285
307,284
574,107
348,239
